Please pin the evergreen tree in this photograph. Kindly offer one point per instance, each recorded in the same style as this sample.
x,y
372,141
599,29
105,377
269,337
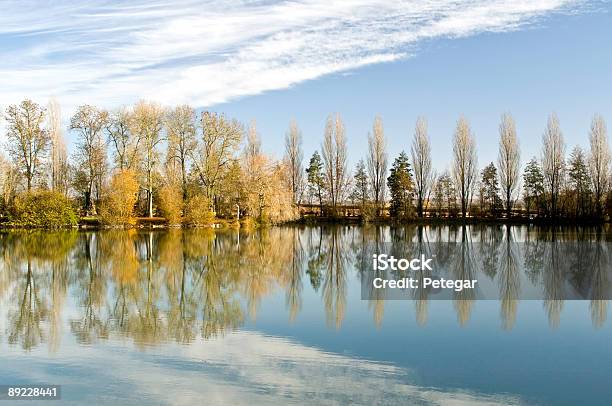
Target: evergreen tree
x,y
490,188
361,188
580,181
401,187
448,192
533,181
316,178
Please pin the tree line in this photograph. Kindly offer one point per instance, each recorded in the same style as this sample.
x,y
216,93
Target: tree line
x,y
190,167
551,186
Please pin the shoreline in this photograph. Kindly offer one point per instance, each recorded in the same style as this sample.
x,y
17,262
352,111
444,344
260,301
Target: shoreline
x,y
222,224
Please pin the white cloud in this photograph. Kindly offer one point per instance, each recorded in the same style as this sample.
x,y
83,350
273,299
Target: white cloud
x,y
205,53
245,367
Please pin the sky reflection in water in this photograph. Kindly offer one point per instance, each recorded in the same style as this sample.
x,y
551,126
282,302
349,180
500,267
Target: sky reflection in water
x,y
274,316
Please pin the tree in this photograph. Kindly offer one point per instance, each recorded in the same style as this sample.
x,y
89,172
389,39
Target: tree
x,y
553,161
465,163
334,158
421,163
180,126
377,163
88,122
599,161
118,206
147,126
316,178
437,196
401,187
448,191
232,191
508,160
490,188
124,142
361,188
28,141
579,180
533,182
9,178
59,157
171,203
215,151
294,160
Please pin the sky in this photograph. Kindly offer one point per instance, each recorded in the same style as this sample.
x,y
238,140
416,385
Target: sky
x,y
274,61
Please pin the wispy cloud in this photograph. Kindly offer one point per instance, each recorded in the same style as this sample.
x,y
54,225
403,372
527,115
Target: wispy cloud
x,y
243,368
205,53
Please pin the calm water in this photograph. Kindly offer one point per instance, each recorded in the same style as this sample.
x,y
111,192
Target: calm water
x,y
276,317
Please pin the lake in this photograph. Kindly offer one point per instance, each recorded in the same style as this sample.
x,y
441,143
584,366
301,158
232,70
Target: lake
x,y
276,316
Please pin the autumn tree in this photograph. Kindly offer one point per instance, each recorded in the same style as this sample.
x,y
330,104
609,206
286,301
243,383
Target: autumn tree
x,y
171,202
553,161
28,140
335,160
124,142
421,163
216,146
377,163
88,122
118,204
232,191
316,178
508,160
465,163
181,131
599,161
147,125
401,187
294,160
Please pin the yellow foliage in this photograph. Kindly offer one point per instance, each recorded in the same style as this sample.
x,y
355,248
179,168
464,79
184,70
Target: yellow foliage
x,y
118,207
171,203
198,211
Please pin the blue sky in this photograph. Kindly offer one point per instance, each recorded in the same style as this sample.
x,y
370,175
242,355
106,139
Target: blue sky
x,y
274,61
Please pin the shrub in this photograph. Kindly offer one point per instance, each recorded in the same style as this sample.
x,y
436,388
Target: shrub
x,y
198,211
171,203
43,209
118,206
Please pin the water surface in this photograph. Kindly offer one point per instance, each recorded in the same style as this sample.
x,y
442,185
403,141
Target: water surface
x,y
276,316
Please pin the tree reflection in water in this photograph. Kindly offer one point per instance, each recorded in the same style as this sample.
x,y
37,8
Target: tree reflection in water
x,y
154,286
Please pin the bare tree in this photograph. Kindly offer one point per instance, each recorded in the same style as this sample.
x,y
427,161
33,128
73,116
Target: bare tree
x,y
553,160
294,158
180,126
508,160
28,141
334,157
147,125
125,143
59,156
90,154
421,163
214,153
599,160
9,178
377,163
252,148
465,163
